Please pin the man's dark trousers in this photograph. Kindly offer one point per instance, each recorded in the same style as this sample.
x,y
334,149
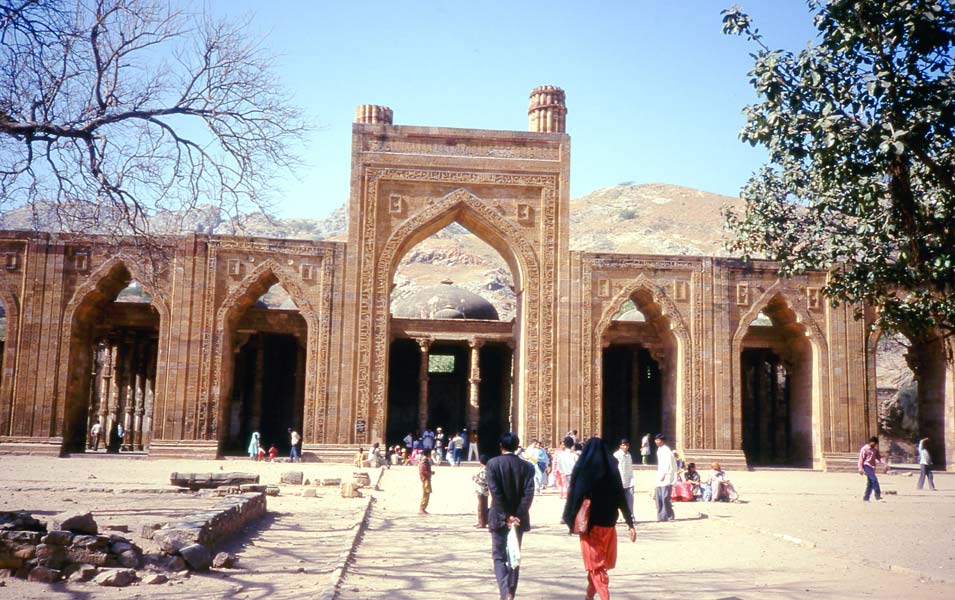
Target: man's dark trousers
x,y
506,576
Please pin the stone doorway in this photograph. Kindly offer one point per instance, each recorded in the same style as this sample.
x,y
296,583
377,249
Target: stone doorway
x,y
113,350
632,396
449,379
266,391
268,374
776,386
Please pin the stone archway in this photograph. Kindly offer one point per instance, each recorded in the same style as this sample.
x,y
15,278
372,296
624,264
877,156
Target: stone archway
x,y
84,309
8,361
654,302
237,302
793,326
467,209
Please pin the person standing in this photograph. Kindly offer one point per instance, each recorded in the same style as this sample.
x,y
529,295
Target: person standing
x,y
457,446
473,453
510,481
254,446
625,465
868,456
666,477
597,477
409,440
925,465
645,449
425,473
565,465
480,487
295,439
427,439
94,436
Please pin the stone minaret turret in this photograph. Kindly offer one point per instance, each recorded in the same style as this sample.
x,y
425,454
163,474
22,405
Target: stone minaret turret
x,y
547,112
372,113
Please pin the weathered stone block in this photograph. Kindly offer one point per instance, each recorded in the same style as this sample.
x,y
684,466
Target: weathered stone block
x,y
54,557
172,540
350,490
224,560
292,478
154,579
77,522
58,538
20,521
197,556
309,493
148,530
43,574
362,478
253,487
88,556
331,481
130,559
80,572
115,577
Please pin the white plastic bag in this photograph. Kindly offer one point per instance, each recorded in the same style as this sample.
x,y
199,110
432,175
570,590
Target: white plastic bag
x,y
513,548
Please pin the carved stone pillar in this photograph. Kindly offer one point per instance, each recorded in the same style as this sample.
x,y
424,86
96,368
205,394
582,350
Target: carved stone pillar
x,y
148,393
474,400
130,360
142,364
113,371
424,344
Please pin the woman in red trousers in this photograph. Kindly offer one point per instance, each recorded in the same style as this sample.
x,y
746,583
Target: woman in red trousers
x,y
596,478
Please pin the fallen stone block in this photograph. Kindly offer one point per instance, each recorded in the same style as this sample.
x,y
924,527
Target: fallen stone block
x,y
173,540
362,478
148,530
115,577
19,520
272,490
331,481
224,560
20,537
77,522
154,579
53,557
292,478
92,557
350,490
309,493
253,487
197,481
80,572
130,559
197,556
44,575
90,542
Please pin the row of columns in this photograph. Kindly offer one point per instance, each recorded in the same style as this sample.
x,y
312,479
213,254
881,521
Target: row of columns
x,y
122,387
474,379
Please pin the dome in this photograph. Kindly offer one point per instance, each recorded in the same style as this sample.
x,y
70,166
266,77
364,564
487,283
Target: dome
x,y
444,301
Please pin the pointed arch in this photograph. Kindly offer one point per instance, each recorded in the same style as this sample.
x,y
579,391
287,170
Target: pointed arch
x,y
820,412
464,207
8,361
236,302
101,287
648,293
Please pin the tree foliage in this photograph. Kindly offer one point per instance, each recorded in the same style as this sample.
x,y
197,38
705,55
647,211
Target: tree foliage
x,y
118,114
859,127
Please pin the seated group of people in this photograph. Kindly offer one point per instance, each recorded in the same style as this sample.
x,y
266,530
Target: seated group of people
x,y
716,487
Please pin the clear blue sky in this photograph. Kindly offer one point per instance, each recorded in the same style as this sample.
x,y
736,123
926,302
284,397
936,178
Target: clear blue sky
x,y
654,90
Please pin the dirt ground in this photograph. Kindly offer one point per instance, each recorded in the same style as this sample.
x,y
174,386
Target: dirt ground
x,y
797,534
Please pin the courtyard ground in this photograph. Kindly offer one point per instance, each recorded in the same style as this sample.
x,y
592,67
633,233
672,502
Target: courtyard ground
x,y
797,534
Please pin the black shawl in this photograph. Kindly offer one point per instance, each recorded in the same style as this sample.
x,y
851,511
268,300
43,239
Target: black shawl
x,y
597,477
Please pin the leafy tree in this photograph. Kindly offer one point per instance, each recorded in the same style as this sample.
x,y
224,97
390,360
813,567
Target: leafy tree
x,y
859,127
117,116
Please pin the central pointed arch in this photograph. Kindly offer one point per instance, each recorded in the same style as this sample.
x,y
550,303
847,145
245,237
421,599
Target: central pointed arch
x,y
490,226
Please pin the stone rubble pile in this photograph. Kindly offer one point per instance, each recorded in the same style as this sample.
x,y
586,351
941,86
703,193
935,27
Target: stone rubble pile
x,y
71,549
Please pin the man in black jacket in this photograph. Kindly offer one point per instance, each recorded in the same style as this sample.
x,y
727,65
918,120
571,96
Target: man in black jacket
x,y
510,481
